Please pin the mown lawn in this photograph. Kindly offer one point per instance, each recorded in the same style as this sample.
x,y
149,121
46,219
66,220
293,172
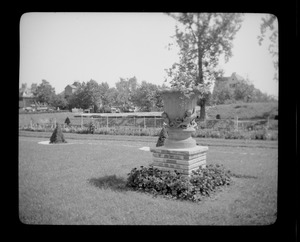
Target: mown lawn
x,y
82,182
245,111
24,118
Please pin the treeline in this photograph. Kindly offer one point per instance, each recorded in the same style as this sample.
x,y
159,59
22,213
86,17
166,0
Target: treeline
x,y
243,91
126,94
129,93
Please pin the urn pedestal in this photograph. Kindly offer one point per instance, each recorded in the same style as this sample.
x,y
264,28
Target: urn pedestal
x,y
180,151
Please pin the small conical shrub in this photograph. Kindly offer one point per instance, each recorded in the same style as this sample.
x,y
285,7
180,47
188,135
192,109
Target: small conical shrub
x,y
67,121
162,136
57,136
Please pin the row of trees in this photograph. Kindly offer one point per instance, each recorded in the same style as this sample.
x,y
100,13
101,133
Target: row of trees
x,y
126,93
243,91
129,92
100,97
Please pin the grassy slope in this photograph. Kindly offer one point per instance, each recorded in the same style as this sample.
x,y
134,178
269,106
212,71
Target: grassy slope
x,y
76,184
245,110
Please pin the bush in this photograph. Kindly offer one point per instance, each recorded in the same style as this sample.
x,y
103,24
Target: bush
x,y
264,135
91,128
67,121
235,135
57,135
174,185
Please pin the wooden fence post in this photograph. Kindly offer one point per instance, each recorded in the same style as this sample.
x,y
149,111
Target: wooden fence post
x,y
81,121
237,123
144,122
106,123
154,121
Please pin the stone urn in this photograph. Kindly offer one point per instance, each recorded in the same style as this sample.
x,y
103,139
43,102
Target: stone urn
x,y
180,151
179,118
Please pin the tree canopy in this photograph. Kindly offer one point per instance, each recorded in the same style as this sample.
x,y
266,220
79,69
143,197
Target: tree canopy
x,y
147,97
44,92
202,38
125,89
270,24
243,91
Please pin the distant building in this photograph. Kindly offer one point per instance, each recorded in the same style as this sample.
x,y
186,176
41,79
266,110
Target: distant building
x,y
26,97
70,89
231,81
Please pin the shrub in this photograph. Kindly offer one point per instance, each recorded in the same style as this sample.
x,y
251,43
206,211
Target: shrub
x,y
264,134
174,185
67,121
162,137
57,135
91,128
233,135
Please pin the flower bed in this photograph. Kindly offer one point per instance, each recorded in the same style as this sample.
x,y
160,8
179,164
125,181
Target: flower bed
x,y
172,184
237,134
263,134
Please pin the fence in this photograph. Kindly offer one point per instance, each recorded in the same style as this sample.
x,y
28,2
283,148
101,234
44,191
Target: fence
x,y
143,122
153,122
239,125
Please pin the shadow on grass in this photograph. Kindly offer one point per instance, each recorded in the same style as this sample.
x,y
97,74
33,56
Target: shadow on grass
x,y
110,182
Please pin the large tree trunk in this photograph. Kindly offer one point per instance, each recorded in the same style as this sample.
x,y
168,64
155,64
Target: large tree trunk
x,y
202,110
201,81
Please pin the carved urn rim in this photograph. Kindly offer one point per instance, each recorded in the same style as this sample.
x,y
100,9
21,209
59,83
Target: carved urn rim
x,y
186,92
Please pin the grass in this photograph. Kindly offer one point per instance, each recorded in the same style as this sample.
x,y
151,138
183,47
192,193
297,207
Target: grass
x,y
230,111
82,182
245,110
24,119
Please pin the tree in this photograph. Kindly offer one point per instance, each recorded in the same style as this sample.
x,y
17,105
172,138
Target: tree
x,y
269,22
92,95
146,97
44,92
59,101
103,88
202,39
110,97
125,89
243,91
76,83
259,96
33,87
222,93
76,100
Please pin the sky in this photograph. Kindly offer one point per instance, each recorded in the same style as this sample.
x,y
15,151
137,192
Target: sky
x,y
66,47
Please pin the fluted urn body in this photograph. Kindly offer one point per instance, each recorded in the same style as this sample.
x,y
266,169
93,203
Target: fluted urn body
x,y
179,118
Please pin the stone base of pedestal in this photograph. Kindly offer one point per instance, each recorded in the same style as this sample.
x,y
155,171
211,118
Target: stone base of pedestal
x,y
182,160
